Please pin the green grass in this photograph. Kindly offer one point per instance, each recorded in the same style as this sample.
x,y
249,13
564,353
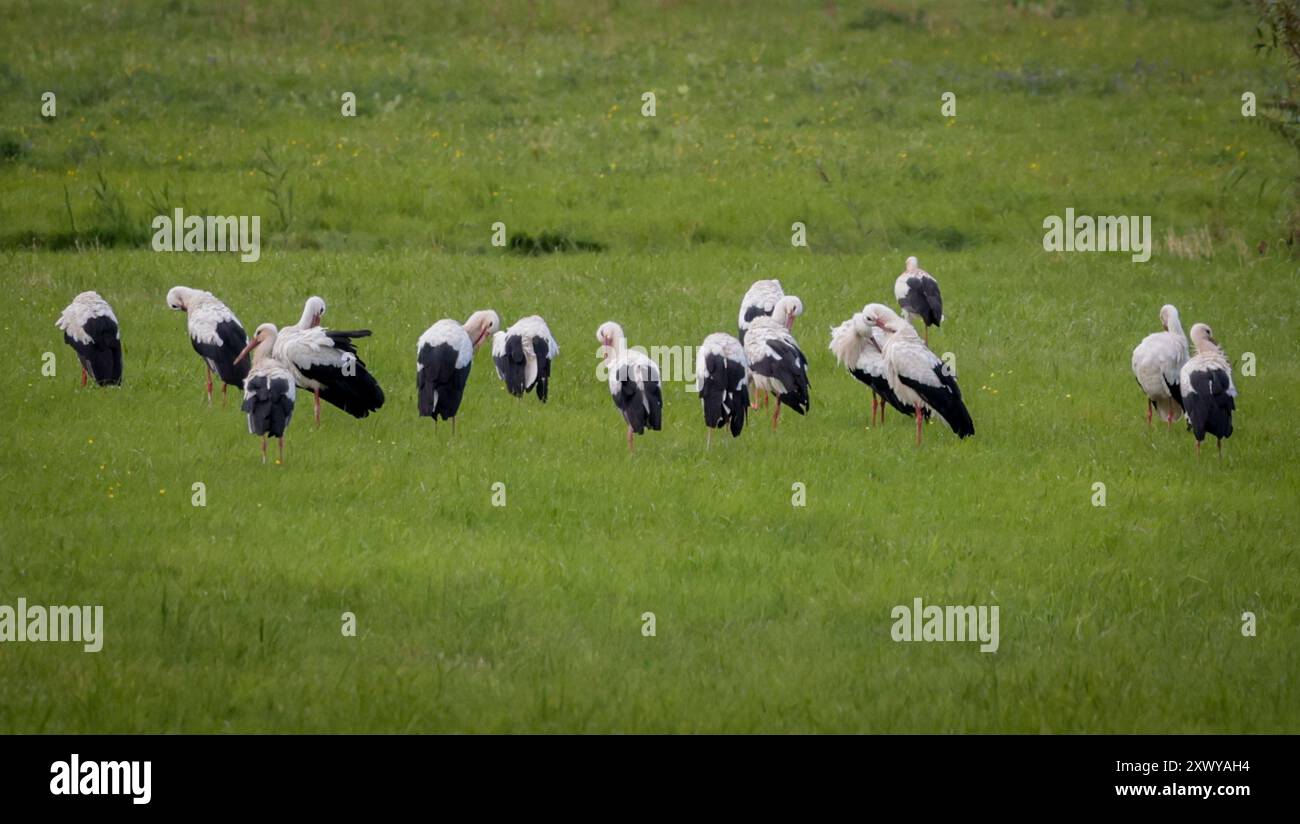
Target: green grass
x,y
527,617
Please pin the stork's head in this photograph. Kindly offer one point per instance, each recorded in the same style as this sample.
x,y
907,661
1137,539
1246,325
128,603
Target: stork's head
x,y
913,264
880,315
87,297
1168,313
1203,336
787,309
609,334
481,326
861,327
260,343
312,312
176,298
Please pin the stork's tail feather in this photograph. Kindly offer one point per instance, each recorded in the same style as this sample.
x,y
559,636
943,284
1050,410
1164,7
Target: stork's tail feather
x,y
358,395
958,417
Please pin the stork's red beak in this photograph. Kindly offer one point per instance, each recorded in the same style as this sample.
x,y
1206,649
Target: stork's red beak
x,y
315,321
244,352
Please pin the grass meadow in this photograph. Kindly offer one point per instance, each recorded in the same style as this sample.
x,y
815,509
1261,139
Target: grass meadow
x,y
769,616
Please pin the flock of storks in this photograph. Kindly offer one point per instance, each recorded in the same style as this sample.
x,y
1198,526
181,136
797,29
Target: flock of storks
x,y
876,345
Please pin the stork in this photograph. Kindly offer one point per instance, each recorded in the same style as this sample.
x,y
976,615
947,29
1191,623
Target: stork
x,y
325,362
444,355
775,360
215,333
1157,363
268,390
1208,393
760,301
917,293
859,347
633,382
522,355
90,328
917,375
722,381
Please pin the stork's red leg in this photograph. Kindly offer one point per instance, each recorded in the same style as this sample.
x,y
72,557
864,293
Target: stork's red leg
x,y
873,408
630,433
316,392
1198,449
1149,407
83,376
224,399
918,424
208,369
263,449
708,440
776,416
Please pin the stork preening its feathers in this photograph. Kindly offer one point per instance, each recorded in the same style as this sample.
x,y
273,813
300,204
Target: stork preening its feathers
x,y
917,376
215,333
1208,393
1157,363
775,360
917,293
90,328
324,361
722,381
522,355
444,356
760,302
633,382
859,347
268,390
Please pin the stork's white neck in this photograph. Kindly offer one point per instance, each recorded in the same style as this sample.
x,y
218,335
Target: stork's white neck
x,y
1175,325
263,350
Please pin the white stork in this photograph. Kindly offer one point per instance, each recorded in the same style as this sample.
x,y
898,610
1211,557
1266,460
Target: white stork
x,y
760,301
775,360
443,359
215,333
1157,361
1208,393
90,328
633,382
522,355
917,293
325,362
917,375
722,381
859,347
268,390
